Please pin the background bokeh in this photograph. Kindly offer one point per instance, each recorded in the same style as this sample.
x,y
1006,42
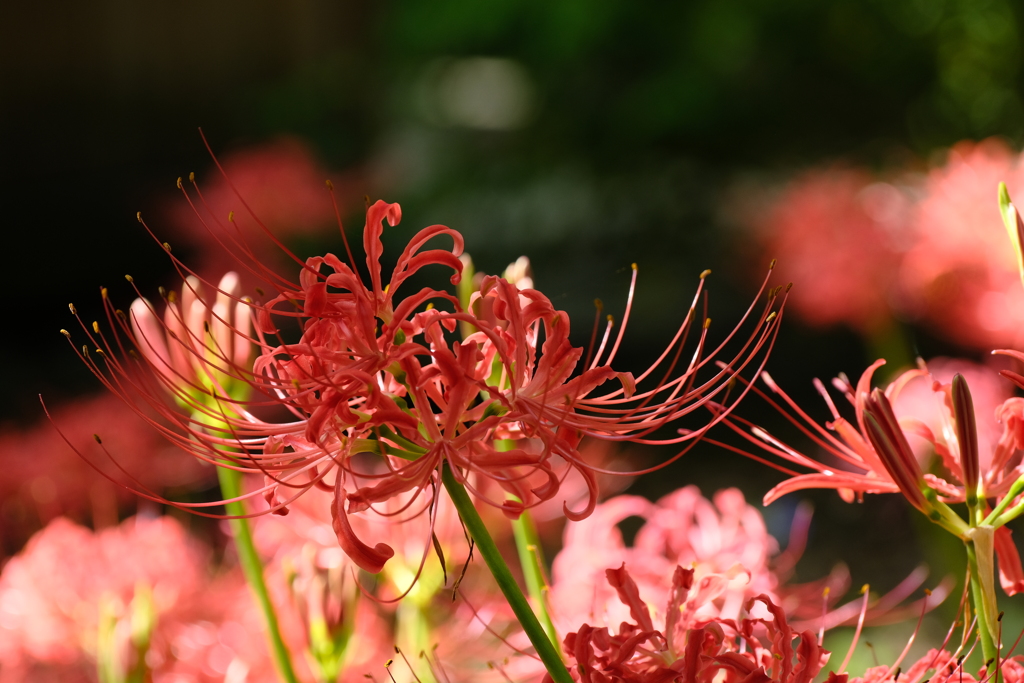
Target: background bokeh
x,y
585,134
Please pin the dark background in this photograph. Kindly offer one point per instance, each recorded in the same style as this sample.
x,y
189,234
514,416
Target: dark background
x,y
634,121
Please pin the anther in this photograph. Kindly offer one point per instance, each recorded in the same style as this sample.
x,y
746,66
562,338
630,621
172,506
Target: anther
x,y
120,314
179,182
705,273
330,185
129,278
707,323
633,266
771,266
928,592
610,318
95,327
167,247
85,350
162,292
65,333
74,311
138,216
259,290
97,438
430,306
864,589
896,677
598,304
206,326
191,176
172,296
789,287
1000,617
103,292
100,353
771,316
231,216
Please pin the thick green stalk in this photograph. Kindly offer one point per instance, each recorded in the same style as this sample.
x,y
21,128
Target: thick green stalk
x,y
532,561
506,582
252,567
980,562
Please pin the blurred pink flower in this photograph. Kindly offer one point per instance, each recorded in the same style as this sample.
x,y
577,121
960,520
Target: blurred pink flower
x,y
53,596
835,234
959,274
725,543
723,540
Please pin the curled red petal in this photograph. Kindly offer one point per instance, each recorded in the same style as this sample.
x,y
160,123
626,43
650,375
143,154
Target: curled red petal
x,y
370,559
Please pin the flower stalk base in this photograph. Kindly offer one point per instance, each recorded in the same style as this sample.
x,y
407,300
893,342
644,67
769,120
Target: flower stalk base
x,y
252,567
506,582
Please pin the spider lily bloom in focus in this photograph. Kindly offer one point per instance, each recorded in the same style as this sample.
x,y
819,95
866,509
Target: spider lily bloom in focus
x,y
373,372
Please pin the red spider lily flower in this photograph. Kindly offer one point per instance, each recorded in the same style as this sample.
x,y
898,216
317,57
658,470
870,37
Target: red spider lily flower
x,y
878,458
684,648
373,372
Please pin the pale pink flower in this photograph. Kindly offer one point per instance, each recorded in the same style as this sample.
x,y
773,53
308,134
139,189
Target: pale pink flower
x,y
724,542
51,593
56,592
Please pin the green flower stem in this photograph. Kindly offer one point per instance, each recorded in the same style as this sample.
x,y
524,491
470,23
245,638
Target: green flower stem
x,y
516,600
999,516
252,567
532,560
980,562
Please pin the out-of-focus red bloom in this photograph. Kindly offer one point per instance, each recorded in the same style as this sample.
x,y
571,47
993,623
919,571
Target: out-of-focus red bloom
x,y
683,647
958,274
42,476
280,182
861,251
373,372
837,236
